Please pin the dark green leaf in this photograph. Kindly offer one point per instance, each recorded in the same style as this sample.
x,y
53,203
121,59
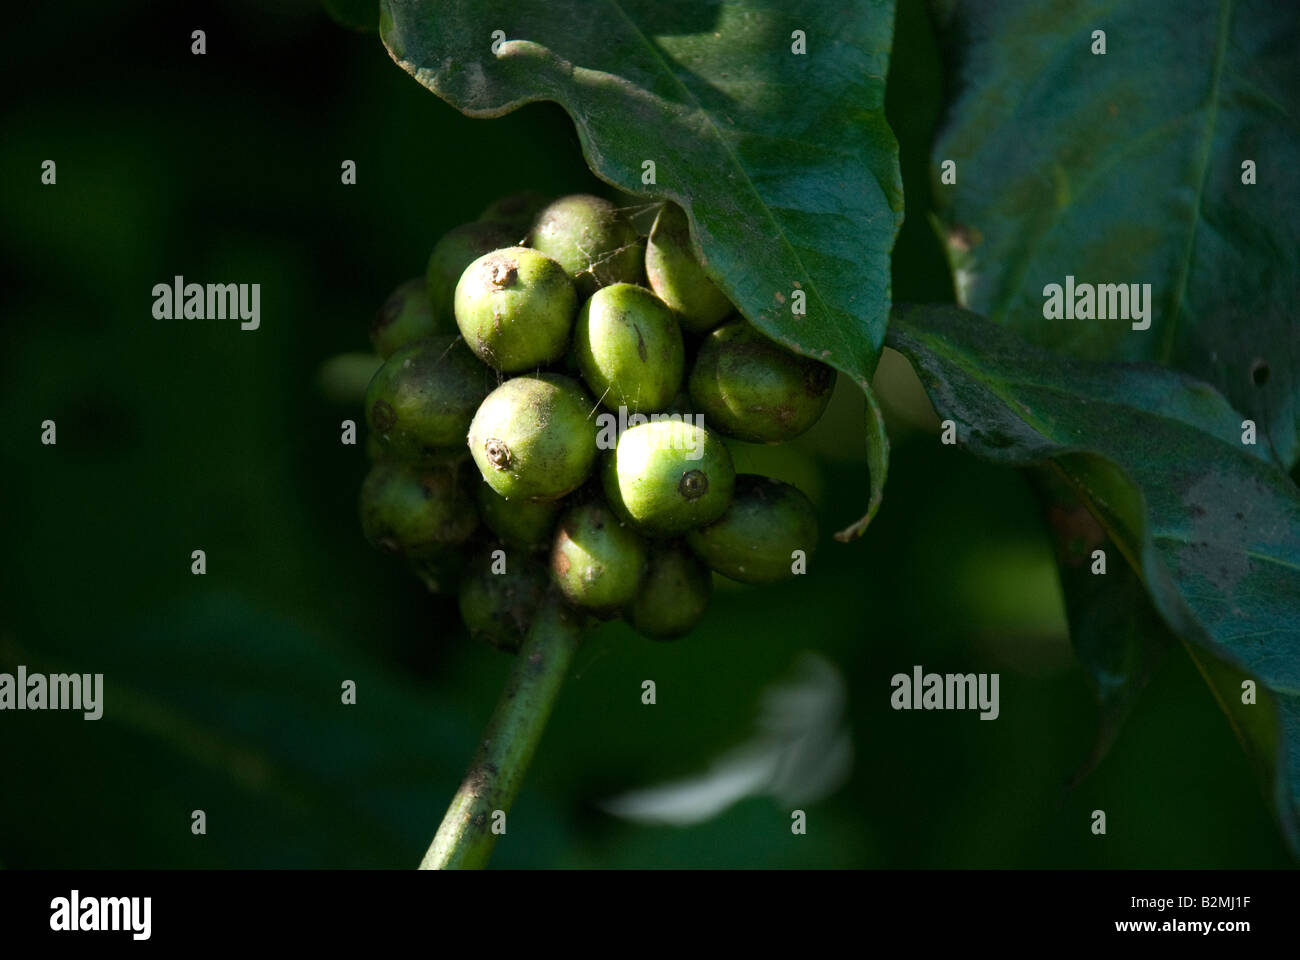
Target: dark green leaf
x,y
1211,525
1127,168
783,161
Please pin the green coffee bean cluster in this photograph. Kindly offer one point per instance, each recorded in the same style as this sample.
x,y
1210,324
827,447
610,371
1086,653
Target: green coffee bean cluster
x,y
553,414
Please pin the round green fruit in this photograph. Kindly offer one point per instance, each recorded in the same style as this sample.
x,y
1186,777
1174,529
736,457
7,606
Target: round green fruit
x,y
674,594
458,248
754,389
514,307
415,511
668,476
405,316
520,523
592,241
677,277
597,562
532,438
629,348
516,211
499,596
756,539
423,398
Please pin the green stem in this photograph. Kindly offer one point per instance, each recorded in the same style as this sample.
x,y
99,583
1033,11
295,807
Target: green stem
x,y
465,839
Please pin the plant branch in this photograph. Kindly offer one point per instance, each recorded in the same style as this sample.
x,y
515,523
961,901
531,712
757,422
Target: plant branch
x,y
465,839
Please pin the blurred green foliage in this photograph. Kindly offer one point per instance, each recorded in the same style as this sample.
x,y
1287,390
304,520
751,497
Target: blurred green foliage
x,y
222,691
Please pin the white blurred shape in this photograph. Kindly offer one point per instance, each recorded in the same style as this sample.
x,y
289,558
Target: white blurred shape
x,y
801,752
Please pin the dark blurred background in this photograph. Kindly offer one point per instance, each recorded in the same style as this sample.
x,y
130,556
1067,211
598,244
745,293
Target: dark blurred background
x,y
222,692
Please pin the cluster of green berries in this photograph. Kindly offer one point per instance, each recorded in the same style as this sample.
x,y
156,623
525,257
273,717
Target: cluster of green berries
x,y
496,472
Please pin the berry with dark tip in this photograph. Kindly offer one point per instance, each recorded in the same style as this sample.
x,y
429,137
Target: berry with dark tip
x,y
422,400
533,438
458,248
756,540
597,562
752,388
405,316
515,307
413,511
668,476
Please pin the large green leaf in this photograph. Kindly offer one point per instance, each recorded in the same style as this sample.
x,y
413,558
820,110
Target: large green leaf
x,y
1127,168
1210,524
783,161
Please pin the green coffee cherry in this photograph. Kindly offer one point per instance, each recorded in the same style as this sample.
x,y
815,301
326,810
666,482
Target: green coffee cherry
x,y
756,540
517,211
499,596
677,277
514,307
532,438
629,348
668,476
414,511
405,316
591,240
674,594
528,524
458,248
752,388
596,561
424,396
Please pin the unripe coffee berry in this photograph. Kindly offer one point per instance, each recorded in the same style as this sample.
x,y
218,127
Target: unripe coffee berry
x,y
528,524
752,388
533,439
756,540
629,348
413,511
674,594
591,240
597,562
668,476
515,307
458,248
677,277
499,595
405,316
424,396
